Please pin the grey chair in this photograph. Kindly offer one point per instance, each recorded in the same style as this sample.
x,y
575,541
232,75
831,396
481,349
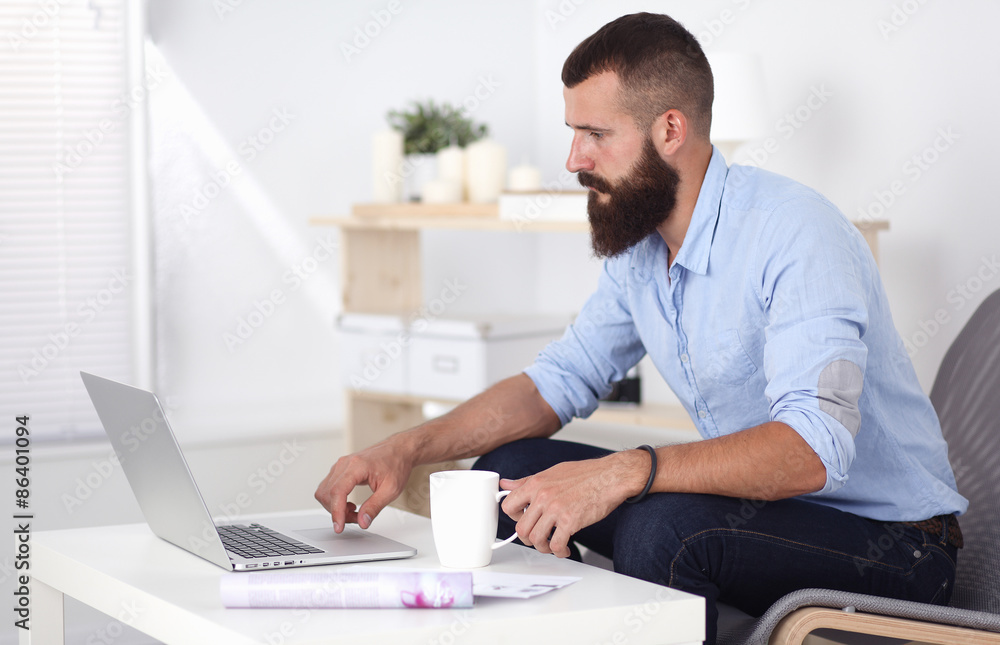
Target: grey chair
x,y
966,395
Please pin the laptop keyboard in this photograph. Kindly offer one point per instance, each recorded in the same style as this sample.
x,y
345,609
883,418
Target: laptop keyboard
x,y
256,541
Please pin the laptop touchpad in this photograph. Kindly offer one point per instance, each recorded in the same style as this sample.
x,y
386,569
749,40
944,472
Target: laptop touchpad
x,y
329,535
350,542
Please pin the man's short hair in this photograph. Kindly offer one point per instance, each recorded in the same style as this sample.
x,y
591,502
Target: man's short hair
x,y
659,64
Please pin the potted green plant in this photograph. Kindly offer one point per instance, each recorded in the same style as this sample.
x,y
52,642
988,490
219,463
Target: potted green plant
x,y
427,127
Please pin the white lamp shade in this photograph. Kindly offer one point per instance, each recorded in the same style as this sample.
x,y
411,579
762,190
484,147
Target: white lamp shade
x,y
739,113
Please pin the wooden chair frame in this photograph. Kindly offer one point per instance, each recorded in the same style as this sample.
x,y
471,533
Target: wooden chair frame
x,y
794,627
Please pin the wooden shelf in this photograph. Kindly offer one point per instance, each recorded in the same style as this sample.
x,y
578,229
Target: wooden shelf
x,y
386,397
417,209
460,223
871,225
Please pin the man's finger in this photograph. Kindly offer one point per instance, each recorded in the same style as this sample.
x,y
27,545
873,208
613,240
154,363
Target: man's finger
x,y
517,502
516,512
540,534
559,543
372,506
338,509
512,484
337,493
526,524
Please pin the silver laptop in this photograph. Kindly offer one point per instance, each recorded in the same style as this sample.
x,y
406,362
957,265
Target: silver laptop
x,y
176,512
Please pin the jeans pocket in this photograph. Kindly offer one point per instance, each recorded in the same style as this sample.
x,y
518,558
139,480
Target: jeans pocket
x,y
913,551
934,572
942,595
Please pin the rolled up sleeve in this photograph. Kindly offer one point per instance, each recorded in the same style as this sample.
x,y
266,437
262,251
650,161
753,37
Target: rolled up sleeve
x,y
601,345
814,279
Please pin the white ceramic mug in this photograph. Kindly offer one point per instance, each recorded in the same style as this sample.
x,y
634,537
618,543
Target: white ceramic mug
x,y
464,513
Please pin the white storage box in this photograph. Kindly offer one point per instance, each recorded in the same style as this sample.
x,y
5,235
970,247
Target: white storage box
x,y
373,352
456,359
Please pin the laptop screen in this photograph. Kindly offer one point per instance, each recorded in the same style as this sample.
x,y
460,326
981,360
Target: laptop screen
x,y
155,467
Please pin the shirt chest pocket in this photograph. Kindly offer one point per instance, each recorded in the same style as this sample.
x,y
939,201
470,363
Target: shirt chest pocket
x,y
725,361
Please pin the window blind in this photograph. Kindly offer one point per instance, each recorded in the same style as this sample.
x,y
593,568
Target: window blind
x,y
65,259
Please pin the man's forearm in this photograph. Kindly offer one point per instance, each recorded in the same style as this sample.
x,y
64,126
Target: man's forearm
x,y
510,410
770,461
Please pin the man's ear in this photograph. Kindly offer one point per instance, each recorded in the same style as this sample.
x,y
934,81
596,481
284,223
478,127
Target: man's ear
x,y
670,131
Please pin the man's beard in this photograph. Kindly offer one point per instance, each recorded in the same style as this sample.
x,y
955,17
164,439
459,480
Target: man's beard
x,y
636,205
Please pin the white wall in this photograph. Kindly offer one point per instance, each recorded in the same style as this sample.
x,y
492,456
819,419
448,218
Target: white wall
x,y
227,74
889,96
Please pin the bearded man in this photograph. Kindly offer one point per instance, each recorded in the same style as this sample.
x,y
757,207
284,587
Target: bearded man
x,y
762,307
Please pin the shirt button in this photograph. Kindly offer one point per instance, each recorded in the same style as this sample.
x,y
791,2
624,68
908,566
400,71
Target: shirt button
x,y
684,358
702,414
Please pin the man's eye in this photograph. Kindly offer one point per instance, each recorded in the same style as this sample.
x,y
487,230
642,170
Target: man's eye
x,y
597,135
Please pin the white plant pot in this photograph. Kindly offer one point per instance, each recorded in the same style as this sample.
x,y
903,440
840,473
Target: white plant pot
x,y
417,171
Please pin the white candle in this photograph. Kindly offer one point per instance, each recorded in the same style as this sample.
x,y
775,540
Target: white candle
x,y
525,179
387,157
486,170
451,163
441,191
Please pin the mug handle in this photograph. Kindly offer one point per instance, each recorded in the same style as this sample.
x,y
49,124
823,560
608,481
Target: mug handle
x,y
497,545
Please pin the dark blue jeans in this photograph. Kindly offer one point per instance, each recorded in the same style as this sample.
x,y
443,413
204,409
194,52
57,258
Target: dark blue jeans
x,y
745,553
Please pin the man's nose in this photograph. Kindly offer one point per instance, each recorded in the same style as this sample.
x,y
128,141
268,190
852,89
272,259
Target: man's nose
x,y
578,159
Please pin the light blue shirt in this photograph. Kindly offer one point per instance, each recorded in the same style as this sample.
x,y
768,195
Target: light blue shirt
x,y
773,310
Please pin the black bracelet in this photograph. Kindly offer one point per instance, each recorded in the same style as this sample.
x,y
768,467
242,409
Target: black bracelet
x,y
652,475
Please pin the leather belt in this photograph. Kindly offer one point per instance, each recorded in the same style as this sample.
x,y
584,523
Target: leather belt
x,y
936,526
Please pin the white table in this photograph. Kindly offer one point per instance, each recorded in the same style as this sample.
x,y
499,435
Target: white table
x,y
161,590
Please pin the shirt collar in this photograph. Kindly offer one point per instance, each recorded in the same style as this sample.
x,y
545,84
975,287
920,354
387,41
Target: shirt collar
x,y
697,246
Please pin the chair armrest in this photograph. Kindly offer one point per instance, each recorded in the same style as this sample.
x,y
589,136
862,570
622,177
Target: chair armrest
x,y
794,627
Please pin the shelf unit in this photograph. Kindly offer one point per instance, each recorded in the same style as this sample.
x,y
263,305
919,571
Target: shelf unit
x,y
381,273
